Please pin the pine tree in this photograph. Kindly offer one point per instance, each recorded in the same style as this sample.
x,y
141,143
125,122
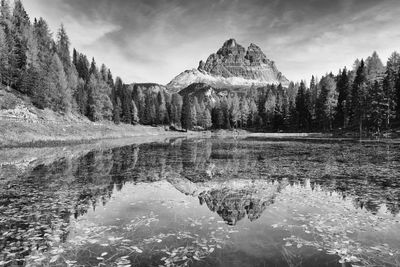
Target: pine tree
x,y
126,99
390,83
150,110
326,103
82,67
374,67
358,97
234,110
117,111
81,96
3,57
186,119
106,103
63,47
302,110
314,92
244,112
194,108
161,109
343,88
224,105
377,107
20,29
58,87
217,116
269,108
94,112
253,113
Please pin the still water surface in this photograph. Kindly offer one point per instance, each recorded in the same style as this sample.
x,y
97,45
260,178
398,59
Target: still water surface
x,y
206,202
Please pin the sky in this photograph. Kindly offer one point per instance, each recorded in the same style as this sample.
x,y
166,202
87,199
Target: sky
x,y
155,40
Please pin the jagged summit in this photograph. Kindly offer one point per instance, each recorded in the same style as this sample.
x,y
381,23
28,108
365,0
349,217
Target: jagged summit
x,y
232,66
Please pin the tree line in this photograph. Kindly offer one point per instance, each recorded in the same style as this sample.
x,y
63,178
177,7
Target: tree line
x,y
367,97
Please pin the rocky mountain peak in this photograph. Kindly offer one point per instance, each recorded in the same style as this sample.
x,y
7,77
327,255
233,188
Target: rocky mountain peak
x,y
232,66
231,47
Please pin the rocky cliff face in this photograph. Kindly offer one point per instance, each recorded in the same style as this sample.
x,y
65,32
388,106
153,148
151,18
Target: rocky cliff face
x,y
232,67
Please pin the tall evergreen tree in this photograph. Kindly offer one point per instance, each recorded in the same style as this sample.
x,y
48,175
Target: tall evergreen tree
x,y
4,67
326,103
162,115
234,110
20,30
302,110
343,88
359,97
374,67
244,112
58,86
63,48
94,109
186,118
377,106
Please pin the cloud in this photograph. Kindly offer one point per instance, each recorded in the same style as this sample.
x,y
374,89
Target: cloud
x,y
154,40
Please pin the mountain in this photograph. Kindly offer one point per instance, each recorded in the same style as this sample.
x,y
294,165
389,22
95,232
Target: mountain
x,y
231,67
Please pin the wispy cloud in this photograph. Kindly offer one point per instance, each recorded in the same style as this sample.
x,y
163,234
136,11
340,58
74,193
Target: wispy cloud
x,y
154,40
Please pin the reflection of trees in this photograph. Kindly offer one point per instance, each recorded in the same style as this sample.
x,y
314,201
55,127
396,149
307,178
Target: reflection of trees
x,y
45,197
36,207
367,173
327,220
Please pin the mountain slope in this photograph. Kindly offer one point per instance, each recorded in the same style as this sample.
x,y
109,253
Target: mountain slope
x,y
231,67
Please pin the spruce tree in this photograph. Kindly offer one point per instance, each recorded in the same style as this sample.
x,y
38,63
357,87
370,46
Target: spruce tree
x,y
343,88
244,112
20,29
302,110
58,87
94,111
161,109
326,103
117,111
186,119
4,67
358,97
377,107
63,48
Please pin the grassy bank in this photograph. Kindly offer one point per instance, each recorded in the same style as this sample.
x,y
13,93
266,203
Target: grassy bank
x,y
24,125
34,134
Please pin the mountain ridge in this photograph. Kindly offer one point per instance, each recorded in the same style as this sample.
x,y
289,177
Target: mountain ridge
x,y
232,66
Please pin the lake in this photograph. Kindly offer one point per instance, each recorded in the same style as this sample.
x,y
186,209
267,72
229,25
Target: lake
x,y
204,202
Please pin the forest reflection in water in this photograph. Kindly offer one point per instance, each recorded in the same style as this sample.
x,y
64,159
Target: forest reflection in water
x,y
205,202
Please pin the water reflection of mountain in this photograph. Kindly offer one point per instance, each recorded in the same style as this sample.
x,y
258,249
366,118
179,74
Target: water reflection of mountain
x,y
234,204
43,197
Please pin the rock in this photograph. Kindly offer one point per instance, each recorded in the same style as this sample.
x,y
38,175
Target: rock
x,y
232,67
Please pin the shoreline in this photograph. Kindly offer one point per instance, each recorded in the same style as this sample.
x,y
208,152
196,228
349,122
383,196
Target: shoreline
x,y
22,134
